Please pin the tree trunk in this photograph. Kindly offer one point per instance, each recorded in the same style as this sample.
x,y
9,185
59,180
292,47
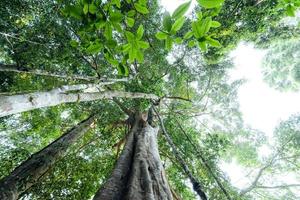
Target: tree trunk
x,y
138,174
29,172
24,102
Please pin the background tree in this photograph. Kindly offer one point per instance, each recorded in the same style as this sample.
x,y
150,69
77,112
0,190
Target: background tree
x,y
281,66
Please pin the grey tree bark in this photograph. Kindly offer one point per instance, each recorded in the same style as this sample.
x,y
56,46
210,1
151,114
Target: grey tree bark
x,y
66,94
30,171
138,174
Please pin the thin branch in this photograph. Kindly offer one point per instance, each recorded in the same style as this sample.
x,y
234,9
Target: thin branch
x,y
196,185
12,36
278,186
199,153
178,98
14,68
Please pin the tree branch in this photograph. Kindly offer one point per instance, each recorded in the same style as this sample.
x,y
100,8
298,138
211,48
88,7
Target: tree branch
x,y
196,185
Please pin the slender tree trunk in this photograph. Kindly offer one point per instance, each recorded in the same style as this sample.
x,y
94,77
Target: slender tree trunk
x,y
29,172
196,184
24,102
138,174
14,68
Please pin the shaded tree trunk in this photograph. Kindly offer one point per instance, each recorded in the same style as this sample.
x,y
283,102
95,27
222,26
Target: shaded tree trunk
x,y
138,174
66,94
29,172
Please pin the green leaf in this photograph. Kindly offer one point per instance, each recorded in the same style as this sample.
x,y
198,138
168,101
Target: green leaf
x,y
116,17
210,3
117,3
108,31
130,21
213,42
100,24
140,56
143,44
132,53
94,48
206,24
111,60
290,11
131,13
202,46
130,36
167,21
169,43
196,28
199,15
92,8
181,10
75,11
215,24
140,32
192,43
122,70
118,27
86,8
73,43
178,40
111,43
141,9
203,27
161,36
126,48
177,25
188,35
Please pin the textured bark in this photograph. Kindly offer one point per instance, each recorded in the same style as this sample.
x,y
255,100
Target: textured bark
x,y
138,174
66,94
29,172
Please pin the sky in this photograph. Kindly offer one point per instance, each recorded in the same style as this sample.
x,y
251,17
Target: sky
x,y
262,107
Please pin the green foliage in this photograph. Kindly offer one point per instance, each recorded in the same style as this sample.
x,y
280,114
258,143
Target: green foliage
x,y
161,51
210,3
281,66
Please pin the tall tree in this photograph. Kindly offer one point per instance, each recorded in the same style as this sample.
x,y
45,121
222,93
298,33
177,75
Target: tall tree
x,y
139,173
167,54
29,172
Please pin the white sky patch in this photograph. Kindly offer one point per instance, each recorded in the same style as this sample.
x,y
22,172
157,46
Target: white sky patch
x,y
262,107
171,5
236,174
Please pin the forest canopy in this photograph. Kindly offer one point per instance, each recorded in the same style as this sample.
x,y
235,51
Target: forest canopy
x,y
122,99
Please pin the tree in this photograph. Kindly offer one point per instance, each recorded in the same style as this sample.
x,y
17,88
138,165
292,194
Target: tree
x,y
280,66
60,50
138,173
29,172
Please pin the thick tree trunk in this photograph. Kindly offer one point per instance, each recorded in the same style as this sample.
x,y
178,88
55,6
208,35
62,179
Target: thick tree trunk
x,y
66,94
138,174
29,172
